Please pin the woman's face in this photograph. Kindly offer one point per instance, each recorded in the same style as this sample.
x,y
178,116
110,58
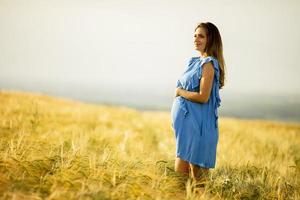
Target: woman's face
x,y
200,39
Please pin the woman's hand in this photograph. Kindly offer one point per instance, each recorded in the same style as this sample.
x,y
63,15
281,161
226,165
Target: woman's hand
x,y
177,92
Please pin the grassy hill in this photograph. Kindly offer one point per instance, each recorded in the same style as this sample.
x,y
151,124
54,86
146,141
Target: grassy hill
x,y
53,148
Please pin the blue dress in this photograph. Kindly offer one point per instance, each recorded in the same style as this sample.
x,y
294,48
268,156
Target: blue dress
x,y
196,124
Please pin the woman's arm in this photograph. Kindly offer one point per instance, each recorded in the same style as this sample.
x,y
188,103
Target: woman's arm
x,y
206,82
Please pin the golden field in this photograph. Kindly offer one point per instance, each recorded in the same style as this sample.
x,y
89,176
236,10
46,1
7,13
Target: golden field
x,y
54,148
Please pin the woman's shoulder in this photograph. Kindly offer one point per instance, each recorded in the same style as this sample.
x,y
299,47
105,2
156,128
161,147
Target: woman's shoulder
x,y
215,64
212,59
209,58
203,61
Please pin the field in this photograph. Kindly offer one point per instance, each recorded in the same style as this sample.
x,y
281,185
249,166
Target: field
x,y
54,148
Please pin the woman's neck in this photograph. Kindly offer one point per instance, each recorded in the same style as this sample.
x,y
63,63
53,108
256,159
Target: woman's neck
x,y
202,55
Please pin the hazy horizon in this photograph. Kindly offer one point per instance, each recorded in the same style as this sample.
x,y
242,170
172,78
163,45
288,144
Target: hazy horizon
x,y
244,106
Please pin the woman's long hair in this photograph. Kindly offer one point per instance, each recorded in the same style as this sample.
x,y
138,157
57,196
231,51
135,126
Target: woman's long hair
x,y
214,47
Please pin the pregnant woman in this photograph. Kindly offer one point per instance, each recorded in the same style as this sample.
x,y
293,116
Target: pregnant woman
x,y
194,111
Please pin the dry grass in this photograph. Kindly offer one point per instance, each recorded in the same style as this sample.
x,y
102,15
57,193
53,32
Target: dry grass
x,y
53,148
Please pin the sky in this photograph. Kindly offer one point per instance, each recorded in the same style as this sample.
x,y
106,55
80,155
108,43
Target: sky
x,y
145,45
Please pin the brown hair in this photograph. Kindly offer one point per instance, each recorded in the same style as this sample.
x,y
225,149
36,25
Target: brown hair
x,y
214,47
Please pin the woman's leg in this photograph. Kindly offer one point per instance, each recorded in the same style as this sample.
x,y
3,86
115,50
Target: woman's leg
x,y
181,166
199,173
